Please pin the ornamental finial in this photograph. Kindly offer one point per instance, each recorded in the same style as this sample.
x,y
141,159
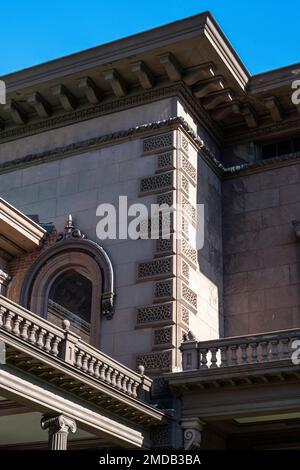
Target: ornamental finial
x,y
70,232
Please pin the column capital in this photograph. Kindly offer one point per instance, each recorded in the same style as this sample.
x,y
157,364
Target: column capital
x,y
192,429
58,429
58,423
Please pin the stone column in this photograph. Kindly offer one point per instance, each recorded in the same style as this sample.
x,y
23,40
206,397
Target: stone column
x,y
58,429
192,429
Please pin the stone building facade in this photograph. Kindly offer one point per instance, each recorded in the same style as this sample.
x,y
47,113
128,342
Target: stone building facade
x,y
170,116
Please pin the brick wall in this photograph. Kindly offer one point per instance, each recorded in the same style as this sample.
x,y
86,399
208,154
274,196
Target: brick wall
x,y
18,268
261,252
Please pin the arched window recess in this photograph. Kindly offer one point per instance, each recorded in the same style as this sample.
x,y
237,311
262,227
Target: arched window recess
x,y
72,279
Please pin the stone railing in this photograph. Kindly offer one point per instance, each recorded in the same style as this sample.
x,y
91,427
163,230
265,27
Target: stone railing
x,y
61,343
240,350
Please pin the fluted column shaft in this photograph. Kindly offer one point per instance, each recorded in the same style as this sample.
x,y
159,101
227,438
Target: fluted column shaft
x,y
58,430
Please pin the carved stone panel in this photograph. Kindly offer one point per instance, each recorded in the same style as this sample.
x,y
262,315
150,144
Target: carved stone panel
x,y
156,361
158,142
155,314
158,183
158,268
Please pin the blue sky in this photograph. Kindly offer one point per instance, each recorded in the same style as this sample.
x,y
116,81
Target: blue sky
x,y
265,33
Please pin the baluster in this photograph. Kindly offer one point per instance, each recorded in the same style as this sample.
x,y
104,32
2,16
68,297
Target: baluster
x,y
233,359
85,366
134,389
32,335
119,381
108,375
223,350
125,383
103,372
24,329
56,342
2,312
274,343
79,355
113,378
244,356
213,358
264,351
285,348
129,386
8,320
97,369
16,328
47,346
91,366
203,361
254,353
40,341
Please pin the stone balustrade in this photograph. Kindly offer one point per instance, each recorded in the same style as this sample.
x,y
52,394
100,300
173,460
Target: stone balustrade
x,y
61,343
239,351
103,368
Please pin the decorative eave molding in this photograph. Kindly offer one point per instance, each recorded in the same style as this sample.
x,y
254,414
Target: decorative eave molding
x,y
116,105
144,129
96,142
89,112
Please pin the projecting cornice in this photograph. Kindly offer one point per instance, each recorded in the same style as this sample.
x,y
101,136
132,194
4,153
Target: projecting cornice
x,y
163,38
191,54
19,234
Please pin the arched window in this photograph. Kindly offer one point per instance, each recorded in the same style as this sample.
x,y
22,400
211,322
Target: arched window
x,y
73,279
70,297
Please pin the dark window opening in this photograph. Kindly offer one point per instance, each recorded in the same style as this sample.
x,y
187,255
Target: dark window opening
x,y
70,298
283,147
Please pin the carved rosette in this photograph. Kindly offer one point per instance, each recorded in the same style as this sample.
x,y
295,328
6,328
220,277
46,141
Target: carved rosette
x,y
58,429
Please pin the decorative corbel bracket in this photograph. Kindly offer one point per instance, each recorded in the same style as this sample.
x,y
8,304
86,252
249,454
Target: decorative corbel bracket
x,y
107,305
192,430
